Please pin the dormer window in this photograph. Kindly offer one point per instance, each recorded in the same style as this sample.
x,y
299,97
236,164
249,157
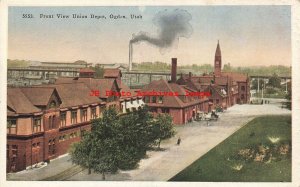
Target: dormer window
x,y
12,126
52,104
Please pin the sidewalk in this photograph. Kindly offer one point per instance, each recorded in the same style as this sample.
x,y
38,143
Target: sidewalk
x,y
55,167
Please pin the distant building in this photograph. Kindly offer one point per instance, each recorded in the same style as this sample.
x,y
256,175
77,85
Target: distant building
x,y
122,67
86,73
76,65
112,73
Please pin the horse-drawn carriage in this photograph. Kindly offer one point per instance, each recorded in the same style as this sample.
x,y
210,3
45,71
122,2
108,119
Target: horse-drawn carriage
x,y
207,116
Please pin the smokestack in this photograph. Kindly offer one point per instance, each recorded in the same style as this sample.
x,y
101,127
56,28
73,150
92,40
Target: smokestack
x,y
190,75
174,69
130,56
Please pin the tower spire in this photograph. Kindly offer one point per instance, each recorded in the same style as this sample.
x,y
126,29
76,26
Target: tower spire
x,y
218,60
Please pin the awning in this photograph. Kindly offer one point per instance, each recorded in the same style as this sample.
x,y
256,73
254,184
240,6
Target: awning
x,y
141,102
128,105
135,104
123,107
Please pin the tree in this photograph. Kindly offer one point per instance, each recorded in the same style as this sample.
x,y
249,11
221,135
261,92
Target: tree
x,y
135,136
99,71
288,97
81,152
227,67
115,142
99,149
120,142
274,81
164,127
254,84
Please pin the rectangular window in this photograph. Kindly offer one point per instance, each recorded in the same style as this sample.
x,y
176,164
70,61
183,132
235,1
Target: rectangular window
x,y
83,115
51,122
153,99
102,108
37,125
63,119
147,99
14,150
74,116
217,101
165,110
243,88
11,126
93,113
51,147
160,99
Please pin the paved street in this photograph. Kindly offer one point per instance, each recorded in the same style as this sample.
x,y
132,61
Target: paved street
x,y
197,139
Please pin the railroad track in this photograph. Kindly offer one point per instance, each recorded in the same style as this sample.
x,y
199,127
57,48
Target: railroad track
x,y
65,174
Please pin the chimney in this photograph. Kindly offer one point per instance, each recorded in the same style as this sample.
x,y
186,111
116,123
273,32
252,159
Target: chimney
x,y
190,75
174,69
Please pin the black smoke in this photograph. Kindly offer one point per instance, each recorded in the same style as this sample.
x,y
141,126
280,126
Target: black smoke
x,y
171,26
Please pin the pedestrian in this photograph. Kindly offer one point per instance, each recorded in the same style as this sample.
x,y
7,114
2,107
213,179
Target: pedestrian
x,y
178,141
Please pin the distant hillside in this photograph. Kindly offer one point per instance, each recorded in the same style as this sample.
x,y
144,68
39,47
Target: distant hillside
x,y
206,68
260,70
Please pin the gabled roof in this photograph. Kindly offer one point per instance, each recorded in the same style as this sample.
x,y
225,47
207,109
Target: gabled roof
x,y
75,94
102,85
169,101
17,102
238,77
112,73
38,96
125,88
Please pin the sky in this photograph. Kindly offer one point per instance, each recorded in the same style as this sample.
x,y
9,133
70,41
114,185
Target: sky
x,y
248,35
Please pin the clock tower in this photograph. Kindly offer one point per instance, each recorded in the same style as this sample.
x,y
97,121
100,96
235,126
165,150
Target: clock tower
x,y
218,61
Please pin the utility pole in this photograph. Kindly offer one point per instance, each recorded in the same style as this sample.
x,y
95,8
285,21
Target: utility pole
x,y
257,85
286,86
262,90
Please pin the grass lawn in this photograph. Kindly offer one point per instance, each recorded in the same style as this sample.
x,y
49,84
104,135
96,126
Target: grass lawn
x,y
258,152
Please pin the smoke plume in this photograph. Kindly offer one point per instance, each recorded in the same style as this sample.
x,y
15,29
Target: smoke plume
x,y
171,25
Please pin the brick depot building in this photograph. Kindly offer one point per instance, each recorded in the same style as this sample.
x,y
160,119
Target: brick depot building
x,y
226,88
181,107
43,121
